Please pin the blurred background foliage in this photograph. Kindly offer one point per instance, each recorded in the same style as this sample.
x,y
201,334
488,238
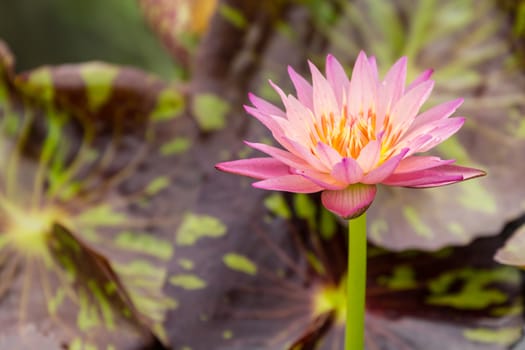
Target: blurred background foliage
x,y
63,31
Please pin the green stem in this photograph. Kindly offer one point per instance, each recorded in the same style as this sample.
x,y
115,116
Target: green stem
x,y
356,284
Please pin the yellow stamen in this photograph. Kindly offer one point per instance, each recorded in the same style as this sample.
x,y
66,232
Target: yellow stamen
x,y
349,134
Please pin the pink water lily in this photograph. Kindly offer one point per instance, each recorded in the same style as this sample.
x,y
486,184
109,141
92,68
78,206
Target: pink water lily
x,y
344,136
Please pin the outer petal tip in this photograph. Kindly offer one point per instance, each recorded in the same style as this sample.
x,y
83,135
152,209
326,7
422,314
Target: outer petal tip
x,y
475,173
258,168
469,173
427,74
350,202
291,71
331,59
252,98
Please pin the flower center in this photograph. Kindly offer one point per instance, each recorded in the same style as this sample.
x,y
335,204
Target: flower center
x,y
348,134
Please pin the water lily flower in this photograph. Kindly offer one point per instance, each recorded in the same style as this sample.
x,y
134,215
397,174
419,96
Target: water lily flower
x,y
344,136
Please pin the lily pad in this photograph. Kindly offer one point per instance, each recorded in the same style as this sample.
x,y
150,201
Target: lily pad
x,y
75,205
273,283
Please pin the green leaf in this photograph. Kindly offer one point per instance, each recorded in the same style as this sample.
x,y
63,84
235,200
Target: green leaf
x,y
187,281
99,80
210,111
100,261
196,227
239,263
170,104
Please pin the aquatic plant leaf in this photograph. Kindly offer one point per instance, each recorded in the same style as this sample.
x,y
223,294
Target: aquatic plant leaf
x,y
271,282
76,192
104,91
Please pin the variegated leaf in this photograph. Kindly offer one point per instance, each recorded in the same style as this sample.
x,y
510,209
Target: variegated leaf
x,y
76,195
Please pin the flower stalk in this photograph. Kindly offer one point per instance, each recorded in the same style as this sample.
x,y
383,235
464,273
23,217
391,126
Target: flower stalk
x,y
356,284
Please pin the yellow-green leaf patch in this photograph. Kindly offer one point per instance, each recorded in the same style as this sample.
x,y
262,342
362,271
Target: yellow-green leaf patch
x,y
210,111
240,263
187,281
144,243
195,227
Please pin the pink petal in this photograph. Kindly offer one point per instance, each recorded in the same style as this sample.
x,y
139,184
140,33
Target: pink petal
x,y
279,154
395,78
279,91
420,79
350,202
288,183
394,83
347,171
294,141
337,78
384,170
363,86
264,106
392,88
369,155
443,130
302,88
432,177
325,181
306,155
259,168
300,118
324,98
417,163
288,131
267,120
438,112
439,129
421,180
413,144
406,109
327,154
437,132
373,68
